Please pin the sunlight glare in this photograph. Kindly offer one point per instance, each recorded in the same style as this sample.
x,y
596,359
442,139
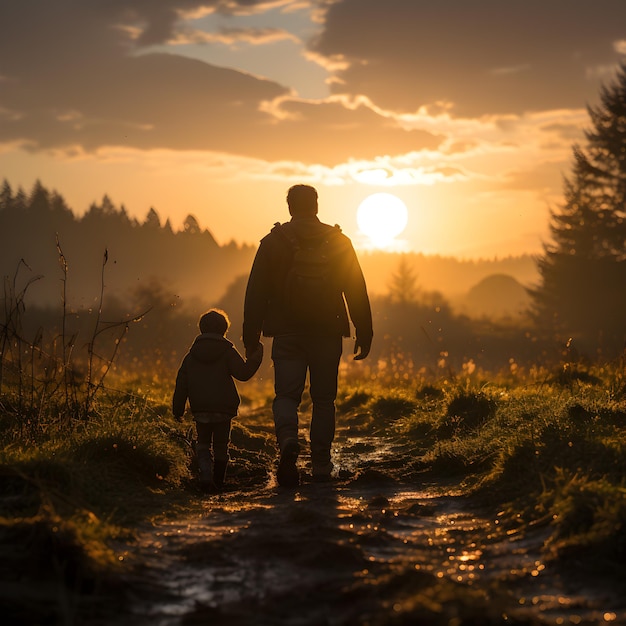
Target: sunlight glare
x,y
382,217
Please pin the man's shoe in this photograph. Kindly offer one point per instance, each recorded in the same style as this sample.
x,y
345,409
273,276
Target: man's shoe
x,y
323,478
208,487
219,473
287,473
322,473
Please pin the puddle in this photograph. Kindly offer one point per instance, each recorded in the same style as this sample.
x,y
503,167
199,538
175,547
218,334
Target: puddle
x,y
351,552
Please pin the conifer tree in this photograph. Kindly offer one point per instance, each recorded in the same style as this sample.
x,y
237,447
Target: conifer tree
x,y
403,283
6,196
152,220
191,225
582,292
39,199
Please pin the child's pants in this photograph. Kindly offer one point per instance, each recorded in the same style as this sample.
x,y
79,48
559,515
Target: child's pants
x,y
213,437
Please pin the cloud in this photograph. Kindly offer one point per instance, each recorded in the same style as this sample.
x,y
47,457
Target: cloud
x,y
483,57
344,129
232,36
423,94
74,81
538,180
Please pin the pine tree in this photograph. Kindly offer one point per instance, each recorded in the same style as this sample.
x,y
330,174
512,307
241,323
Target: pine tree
x,y
582,294
6,196
191,225
39,199
152,220
403,284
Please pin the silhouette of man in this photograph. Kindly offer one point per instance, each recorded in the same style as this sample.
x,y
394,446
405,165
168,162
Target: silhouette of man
x,y
308,325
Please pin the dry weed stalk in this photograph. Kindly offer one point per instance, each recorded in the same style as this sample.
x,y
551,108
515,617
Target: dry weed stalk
x,y
49,389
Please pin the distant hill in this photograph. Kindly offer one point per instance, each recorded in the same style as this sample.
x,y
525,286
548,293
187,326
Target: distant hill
x,y
450,276
496,296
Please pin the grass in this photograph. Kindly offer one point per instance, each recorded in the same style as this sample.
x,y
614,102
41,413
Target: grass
x,y
71,495
552,451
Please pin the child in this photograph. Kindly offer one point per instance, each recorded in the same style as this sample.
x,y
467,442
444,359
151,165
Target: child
x,y
205,377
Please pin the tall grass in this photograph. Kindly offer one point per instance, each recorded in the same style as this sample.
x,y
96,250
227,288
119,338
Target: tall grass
x,y
550,450
49,382
80,463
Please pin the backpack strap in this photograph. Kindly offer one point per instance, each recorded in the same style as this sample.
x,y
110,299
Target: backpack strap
x,y
285,231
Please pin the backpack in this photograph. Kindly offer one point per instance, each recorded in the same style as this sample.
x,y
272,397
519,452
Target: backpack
x,y
311,288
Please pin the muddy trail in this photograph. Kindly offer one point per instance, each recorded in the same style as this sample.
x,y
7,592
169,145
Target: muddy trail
x,y
369,548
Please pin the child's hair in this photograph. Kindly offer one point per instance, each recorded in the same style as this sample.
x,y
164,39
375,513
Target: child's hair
x,y
214,321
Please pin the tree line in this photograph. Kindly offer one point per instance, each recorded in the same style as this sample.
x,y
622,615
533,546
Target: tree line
x,y
183,261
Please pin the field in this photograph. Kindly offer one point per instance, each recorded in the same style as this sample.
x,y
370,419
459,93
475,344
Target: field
x,y
458,500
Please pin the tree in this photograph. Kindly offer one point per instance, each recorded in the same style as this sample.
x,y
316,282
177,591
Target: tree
x,y
582,293
39,199
6,195
152,220
191,225
403,284
59,206
20,200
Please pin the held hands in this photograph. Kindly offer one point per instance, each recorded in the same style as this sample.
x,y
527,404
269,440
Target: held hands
x,y
254,352
362,346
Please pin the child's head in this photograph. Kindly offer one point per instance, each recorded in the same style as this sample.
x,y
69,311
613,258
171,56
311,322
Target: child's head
x,y
214,321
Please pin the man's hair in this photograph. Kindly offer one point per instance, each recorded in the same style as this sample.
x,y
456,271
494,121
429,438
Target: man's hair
x,y
214,321
302,200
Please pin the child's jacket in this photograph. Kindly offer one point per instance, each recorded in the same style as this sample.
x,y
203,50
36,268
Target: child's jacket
x,y
206,374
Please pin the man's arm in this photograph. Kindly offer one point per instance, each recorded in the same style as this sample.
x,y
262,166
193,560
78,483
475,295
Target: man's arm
x,y
245,369
255,303
359,307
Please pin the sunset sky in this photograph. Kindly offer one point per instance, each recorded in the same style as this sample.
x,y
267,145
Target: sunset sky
x,y
465,109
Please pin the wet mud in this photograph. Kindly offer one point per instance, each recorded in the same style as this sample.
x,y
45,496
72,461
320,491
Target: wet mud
x,y
377,546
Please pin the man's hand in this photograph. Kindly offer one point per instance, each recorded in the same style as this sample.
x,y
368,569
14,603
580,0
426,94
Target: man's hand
x,y
362,346
252,351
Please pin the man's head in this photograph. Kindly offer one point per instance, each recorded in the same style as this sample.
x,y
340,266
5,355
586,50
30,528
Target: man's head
x,y
302,200
214,321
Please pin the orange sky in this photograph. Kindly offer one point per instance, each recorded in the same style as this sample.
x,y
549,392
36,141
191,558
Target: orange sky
x,y
465,110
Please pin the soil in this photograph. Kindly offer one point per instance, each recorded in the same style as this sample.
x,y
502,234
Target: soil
x,y
382,544
379,545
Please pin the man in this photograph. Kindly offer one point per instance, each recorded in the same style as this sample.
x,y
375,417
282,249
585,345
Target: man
x,y
303,275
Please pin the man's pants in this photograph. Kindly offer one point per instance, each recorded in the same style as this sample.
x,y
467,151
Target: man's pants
x,y
294,355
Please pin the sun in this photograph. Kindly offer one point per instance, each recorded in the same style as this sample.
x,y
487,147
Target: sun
x,y
382,217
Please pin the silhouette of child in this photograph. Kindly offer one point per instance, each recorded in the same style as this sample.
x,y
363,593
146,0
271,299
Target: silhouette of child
x,y
205,378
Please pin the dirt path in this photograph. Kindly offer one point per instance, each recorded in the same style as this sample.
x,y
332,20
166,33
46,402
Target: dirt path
x,y
366,549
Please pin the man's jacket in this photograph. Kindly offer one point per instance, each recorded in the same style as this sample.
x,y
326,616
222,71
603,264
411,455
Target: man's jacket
x,y
206,376
265,309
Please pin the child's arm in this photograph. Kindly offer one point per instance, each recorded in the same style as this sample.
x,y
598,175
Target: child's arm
x,y
245,369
